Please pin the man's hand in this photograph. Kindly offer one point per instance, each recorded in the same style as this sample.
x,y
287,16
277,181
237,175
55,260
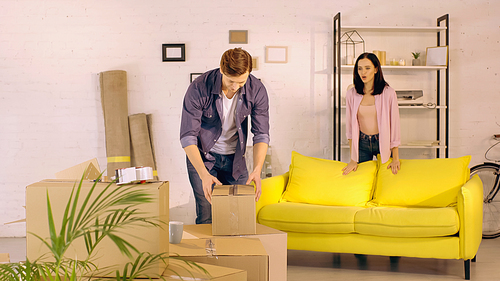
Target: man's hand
x,y
255,177
351,166
208,180
395,166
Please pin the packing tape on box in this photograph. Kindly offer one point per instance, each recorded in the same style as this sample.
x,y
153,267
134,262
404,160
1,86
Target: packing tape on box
x,y
210,248
118,159
133,174
233,209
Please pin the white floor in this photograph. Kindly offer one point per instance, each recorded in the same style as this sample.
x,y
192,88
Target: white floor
x,y
305,266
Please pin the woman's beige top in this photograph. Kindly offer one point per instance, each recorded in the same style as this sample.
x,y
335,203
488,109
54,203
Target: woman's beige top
x,y
367,119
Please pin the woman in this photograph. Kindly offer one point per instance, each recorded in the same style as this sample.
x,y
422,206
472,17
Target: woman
x,y
372,116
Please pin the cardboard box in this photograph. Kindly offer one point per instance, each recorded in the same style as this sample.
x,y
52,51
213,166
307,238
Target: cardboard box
x,y
217,273
145,239
233,210
4,258
235,252
274,242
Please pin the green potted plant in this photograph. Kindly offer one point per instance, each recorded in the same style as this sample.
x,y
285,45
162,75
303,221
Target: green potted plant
x,y
416,59
113,209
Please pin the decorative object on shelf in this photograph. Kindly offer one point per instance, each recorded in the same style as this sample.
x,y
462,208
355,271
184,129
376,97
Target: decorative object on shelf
x,y
276,54
402,62
394,62
238,36
381,56
416,60
193,76
351,40
437,56
174,52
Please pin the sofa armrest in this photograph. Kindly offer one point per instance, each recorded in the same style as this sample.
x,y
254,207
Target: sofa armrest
x,y
470,210
272,189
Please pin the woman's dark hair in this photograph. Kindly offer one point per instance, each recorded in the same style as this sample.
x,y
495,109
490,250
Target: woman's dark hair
x,y
236,62
378,81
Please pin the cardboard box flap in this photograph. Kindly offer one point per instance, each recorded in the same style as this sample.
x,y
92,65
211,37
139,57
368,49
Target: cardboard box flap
x,y
90,167
205,231
237,246
190,273
234,190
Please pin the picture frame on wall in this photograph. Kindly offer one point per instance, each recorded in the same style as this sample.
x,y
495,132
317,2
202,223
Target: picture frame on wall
x,y
276,54
193,76
238,36
173,52
437,56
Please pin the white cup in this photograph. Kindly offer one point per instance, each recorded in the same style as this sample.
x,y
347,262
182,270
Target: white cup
x,y
175,229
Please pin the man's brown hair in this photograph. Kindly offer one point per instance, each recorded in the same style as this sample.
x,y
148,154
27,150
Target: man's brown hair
x,y
236,62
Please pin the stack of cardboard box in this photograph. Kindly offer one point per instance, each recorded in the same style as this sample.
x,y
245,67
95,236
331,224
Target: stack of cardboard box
x,y
234,239
233,248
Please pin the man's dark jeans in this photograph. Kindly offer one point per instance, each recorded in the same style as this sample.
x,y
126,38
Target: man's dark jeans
x,y
222,170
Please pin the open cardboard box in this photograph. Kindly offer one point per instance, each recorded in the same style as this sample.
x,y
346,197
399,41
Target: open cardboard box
x,y
145,239
274,242
246,254
90,168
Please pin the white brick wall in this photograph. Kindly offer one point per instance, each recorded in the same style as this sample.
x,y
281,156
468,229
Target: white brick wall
x,y
52,50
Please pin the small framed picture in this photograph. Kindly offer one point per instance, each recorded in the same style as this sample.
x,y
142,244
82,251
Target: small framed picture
x,y
238,36
193,76
255,63
437,56
174,52
276,54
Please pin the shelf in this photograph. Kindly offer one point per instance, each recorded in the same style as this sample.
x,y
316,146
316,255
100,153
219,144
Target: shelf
x,y
413,107
395,28
439,92
346,146
397,67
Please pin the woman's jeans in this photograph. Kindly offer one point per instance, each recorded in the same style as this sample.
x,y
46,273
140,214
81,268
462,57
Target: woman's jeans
x,y
223,171
368,147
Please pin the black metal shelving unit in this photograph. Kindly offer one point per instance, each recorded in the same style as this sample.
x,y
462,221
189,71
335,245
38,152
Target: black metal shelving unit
x,y
442,102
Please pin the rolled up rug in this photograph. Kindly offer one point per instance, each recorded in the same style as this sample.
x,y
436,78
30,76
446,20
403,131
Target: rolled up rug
x,y
142,149
114,101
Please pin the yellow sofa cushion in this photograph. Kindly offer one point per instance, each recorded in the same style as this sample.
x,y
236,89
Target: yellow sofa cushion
x,y
407,222
320,181
422,182
308,218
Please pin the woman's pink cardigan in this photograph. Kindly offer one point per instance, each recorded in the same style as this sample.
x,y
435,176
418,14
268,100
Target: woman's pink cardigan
x,y
387,120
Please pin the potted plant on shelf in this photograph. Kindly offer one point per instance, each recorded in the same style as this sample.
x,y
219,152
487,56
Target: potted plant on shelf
x,y
113,209
416,59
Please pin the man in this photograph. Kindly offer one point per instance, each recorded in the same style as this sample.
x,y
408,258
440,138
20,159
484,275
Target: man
x,y
214,128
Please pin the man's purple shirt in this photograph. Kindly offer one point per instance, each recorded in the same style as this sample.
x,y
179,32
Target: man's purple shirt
x,y
201,121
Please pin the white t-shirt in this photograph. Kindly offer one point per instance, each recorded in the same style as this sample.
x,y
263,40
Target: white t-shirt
x,y
226,144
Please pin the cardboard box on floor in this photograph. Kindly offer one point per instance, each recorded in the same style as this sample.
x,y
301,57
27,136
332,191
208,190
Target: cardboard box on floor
x,y
235,252
217,273
233,210
4,258
274,242
145,239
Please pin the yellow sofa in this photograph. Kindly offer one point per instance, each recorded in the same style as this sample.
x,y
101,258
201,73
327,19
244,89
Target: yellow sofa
x,y
430,209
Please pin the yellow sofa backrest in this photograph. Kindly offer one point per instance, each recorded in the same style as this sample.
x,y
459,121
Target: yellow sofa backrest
x,y
422,182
